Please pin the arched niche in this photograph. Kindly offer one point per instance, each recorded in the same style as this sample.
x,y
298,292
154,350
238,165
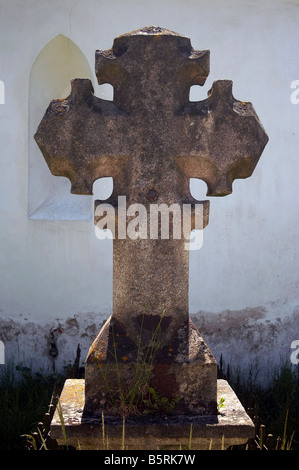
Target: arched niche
x,y
49,196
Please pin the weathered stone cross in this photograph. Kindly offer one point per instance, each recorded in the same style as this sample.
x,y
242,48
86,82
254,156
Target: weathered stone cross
x,y
151,140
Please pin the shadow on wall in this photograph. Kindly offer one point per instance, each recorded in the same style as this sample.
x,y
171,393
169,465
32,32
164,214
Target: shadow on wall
x,y
49,197
249,341
48,347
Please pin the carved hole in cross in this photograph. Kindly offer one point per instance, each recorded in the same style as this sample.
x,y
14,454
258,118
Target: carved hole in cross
x,y
197,93
105,92
198,188
103,188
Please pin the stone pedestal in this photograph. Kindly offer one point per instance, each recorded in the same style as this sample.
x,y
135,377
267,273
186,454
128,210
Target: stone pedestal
x,y
187,370
231,426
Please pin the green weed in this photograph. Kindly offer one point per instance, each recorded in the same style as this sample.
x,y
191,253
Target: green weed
x,y
137,397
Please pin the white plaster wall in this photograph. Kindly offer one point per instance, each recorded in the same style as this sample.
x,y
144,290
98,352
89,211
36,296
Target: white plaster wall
x,y
244,280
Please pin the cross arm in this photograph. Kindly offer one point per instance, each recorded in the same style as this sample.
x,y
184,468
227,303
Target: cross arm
x,y
224,138
83,137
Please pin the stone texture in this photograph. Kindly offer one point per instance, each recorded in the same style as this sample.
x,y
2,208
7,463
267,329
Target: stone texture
x,y
152,140
231,426
191,377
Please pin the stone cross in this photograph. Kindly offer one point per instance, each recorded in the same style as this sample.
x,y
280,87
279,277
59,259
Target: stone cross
x,y
151,139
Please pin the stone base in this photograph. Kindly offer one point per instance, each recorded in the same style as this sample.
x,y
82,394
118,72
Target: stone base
x,y
231,426
187,371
